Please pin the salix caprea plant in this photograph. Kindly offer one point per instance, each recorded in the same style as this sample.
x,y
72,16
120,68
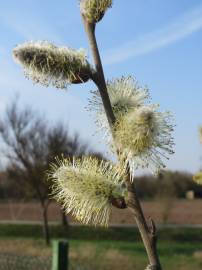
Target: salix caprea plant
x,y
198,176
142,132
134,128
87,188
47,64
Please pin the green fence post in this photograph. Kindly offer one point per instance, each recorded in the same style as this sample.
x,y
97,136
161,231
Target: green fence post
x,y
60,255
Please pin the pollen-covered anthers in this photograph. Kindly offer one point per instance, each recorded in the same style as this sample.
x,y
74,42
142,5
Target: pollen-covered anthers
x,y
144,137
87,188
200,134
198,178
47,64
94,10
125,95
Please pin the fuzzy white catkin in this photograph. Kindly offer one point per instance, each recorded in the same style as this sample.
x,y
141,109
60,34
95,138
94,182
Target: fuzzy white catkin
x,y
145,137
142,133
125,94
47,64
85,187
94,10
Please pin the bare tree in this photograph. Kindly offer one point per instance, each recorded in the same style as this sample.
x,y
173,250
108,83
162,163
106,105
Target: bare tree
x,y
30,145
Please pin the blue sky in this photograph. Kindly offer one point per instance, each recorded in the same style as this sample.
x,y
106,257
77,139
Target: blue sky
x,y
158,42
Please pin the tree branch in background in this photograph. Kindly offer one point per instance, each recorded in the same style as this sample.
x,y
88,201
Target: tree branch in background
x,y
30,145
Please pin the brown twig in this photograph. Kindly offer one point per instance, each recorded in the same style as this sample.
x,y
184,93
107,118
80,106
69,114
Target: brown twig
x,y
148,234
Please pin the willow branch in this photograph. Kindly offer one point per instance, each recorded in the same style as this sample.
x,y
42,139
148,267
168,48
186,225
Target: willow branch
x,y
148,234
99,77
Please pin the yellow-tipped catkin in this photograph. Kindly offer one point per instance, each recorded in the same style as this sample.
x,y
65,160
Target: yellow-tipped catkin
x,y
141,132
144,137
125,95
198,178
47,64
85,187
94,10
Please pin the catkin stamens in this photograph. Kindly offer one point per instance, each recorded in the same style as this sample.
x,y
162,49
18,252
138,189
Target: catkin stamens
x,y
86,187
47,64
94,10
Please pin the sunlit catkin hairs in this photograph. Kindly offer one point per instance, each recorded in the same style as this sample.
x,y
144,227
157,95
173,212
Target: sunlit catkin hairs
x,y
47,64
86,187
144,137
125,94
94,10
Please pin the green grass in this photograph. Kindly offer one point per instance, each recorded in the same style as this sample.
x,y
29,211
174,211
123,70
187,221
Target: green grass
x,y
108,249
128,234
173,255
109,255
